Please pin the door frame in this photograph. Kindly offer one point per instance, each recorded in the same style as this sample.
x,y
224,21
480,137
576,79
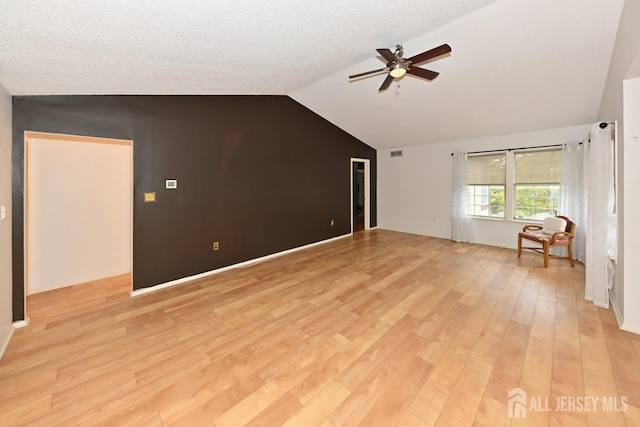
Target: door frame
x,y
367,191
28,136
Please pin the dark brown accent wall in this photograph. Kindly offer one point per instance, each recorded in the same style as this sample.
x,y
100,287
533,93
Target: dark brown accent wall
x,y
259,174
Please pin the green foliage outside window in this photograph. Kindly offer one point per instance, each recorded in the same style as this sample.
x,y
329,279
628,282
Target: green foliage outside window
x,y
496,203
536,201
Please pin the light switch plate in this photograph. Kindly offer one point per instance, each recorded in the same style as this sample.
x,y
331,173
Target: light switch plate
x,y
3,212
171,184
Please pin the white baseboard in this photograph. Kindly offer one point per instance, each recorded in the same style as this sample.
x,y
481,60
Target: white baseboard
x,y
5,342
16,325
620,317
633,330
21,323
616,310
165,285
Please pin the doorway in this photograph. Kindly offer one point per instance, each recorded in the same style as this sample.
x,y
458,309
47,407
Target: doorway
x,y
360,187
78,210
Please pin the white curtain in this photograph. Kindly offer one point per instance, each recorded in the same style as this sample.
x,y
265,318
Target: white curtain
x,y
573,192
461,228
600,209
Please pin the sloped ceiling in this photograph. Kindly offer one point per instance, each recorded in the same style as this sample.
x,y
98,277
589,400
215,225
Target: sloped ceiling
x,y
516,64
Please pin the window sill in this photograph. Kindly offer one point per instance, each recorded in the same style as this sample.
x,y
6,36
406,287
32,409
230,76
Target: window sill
x,y
516,221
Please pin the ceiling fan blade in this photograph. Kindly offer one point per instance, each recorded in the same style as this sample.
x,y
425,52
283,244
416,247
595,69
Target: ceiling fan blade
x,y
386,83
432,53
368,72
387,54
421,72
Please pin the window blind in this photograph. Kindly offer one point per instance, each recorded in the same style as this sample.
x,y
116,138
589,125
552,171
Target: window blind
x,y
538,167
486,169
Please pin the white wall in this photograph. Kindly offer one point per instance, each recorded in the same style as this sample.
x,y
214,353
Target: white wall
x,y
6,310
78,208
631,176
627,277
414,191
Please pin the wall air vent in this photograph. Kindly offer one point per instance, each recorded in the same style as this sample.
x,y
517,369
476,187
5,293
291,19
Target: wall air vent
x,y
397,153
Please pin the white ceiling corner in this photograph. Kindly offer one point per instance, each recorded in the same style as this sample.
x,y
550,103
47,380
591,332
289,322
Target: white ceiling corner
x,y
516,64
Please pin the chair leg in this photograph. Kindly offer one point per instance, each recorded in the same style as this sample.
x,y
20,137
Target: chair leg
x,y
519,245
570,253
545,247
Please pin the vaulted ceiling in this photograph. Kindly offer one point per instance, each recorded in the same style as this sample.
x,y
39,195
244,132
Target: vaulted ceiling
x,y
516,65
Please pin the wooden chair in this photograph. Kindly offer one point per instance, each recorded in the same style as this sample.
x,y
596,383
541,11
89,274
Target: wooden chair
x,y
549,235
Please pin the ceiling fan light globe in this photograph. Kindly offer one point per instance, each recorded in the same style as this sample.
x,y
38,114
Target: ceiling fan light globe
x,y
397,72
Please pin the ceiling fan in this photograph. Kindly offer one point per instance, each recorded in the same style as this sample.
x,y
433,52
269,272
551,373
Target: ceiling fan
x,y
397,66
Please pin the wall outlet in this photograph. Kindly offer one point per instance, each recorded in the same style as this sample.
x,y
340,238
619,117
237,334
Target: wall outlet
x,y
333,222
216,246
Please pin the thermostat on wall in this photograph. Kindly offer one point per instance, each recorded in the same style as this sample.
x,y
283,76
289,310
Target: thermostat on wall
x,y
171,184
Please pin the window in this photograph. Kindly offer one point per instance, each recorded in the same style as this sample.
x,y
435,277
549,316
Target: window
x,y
537,183
519,184
486,175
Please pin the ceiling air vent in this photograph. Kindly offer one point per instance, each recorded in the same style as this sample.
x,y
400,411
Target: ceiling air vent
x,y
397,153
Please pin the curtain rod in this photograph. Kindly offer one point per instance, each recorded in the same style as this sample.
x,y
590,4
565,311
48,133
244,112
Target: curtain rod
x,y
603,125
512,149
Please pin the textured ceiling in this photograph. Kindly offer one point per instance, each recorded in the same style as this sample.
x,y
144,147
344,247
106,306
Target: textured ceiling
x,y
516,64
199,46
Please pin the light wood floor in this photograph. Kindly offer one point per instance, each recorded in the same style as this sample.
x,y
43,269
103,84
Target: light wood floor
x,y
379,329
